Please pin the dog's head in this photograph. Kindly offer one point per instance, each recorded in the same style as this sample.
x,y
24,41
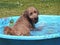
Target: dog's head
x,y
32,14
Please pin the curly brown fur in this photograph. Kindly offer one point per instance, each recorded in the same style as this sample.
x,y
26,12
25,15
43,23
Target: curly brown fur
x,y
24,24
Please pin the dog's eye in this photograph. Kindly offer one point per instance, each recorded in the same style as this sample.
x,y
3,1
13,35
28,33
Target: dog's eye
x,y
31,13
34,11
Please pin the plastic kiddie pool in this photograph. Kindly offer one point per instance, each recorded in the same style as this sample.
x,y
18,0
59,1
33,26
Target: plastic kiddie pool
x,y
48,35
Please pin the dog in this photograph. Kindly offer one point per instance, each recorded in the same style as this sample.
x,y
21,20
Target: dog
x,y
24,24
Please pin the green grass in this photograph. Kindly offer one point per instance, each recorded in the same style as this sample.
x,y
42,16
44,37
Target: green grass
x,y
16,7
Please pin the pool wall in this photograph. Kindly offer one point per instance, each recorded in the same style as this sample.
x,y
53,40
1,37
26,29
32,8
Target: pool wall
x,y
53,39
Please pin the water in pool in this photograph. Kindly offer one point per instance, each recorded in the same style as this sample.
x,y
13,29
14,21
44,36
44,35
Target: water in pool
x,y
45,25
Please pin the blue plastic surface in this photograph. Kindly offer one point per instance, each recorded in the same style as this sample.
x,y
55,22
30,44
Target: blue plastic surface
x,y
50,28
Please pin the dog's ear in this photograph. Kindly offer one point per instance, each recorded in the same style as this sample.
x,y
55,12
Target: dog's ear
x,y
26,13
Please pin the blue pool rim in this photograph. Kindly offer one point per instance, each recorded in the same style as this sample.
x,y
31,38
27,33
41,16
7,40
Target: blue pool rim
x,y
30,37
56,35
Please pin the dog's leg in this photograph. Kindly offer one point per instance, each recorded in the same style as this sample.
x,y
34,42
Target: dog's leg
x,y
38,29
8,30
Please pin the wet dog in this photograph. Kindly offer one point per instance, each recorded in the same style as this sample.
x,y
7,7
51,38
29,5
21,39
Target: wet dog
x,y
24,24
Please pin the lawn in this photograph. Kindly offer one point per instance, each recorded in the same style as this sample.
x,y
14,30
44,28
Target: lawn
x,y
16,7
